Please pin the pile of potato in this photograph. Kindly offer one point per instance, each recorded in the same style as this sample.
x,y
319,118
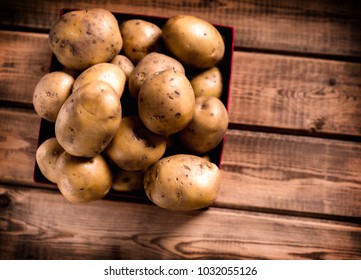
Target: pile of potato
x,y
169,72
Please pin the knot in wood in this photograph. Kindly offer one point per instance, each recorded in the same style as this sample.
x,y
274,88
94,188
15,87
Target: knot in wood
x,y
4,200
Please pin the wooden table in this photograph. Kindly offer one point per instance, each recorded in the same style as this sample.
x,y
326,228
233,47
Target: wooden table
x,y
291,167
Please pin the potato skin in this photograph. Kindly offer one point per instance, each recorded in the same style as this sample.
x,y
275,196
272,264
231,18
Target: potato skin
x,y
166,102
208,126
46,157
50,93
82,180
124,63
127,181
182,182
106,72
151,63
88,119
134,147
208,83
140,38
85,37
193,41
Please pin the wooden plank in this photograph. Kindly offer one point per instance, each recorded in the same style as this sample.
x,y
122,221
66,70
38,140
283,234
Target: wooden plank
x,y
296,93
284,172
260,170
24,59
311,95
39,224
321,26
18,142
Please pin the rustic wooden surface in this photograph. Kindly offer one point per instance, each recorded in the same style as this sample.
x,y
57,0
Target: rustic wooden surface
x,y
291,185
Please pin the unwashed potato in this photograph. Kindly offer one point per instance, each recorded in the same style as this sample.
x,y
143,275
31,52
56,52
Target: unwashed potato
x,y
106,72
208,126
193,41
127,181
124,63
166,102
208,83
82,179
88,119
140,38
50,94
46,157
182,182
134,147
85,37
151,63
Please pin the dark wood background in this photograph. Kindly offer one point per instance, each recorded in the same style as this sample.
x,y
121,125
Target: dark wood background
x,y
291,167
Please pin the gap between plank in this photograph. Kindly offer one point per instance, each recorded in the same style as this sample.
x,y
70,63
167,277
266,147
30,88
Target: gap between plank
x,y
294,132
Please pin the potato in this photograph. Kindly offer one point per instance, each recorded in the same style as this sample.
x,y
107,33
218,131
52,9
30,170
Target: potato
x,y
82,179
166,102
124,63
50,93
88,119
140,38
193,41
134,147
46,157
182,182
106,72
208,126
83,38
127,181
151,63
208,83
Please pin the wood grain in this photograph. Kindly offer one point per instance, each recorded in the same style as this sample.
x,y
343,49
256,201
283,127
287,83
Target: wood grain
x,y
312,95
24,59
314,27
260,170
18,143
284,172
279,92
39,224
